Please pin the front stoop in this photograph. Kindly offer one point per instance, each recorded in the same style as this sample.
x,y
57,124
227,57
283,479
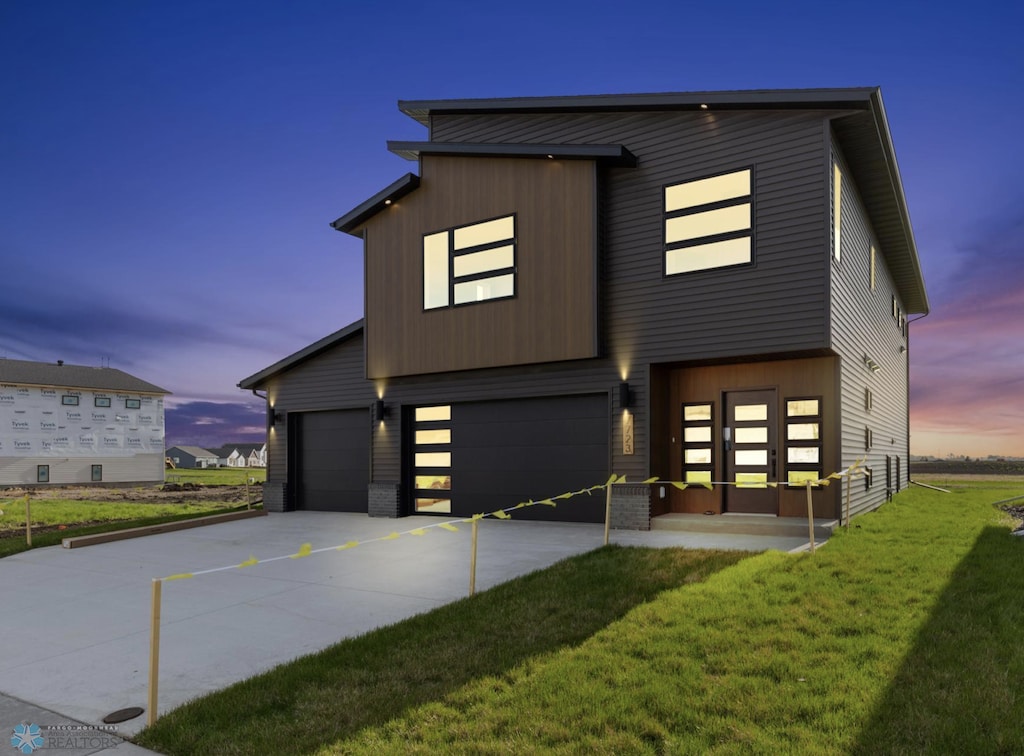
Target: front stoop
x,y
744,524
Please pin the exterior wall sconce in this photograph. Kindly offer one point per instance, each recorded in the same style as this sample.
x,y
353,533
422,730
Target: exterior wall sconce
x,y
276,417
873,366
625,396
379,411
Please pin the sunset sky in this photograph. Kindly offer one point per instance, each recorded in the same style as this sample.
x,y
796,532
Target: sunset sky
x,y
168,170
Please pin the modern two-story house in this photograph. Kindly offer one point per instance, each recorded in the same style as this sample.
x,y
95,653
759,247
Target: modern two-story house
x,y
705,287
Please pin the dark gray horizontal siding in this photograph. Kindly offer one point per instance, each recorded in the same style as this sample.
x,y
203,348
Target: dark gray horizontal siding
x,y
335,379
862,324
779,304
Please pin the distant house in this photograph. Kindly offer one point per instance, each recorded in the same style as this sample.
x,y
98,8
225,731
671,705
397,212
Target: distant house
x,y
192,457
242,455
704,287
65,424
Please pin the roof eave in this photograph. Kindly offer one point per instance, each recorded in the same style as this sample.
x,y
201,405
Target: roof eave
x,y
852,97
367,209
256,380
608,154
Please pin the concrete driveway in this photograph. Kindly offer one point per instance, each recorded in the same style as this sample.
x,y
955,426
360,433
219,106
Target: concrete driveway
x,y
75,624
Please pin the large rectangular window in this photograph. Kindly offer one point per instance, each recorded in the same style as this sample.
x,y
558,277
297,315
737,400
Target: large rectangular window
x,y
708,223
472,263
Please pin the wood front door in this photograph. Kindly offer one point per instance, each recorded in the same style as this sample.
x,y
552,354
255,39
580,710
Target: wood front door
x,y
750,435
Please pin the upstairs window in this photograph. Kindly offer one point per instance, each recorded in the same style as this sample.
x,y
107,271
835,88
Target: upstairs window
x,y
708,223
837,211
469,264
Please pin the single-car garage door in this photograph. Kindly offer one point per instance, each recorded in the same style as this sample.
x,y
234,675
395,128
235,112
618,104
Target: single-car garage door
x,y
510,451
332,460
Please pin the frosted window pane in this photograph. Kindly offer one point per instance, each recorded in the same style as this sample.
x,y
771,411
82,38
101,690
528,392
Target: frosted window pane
x,y
704,256
488,232
704,191
697,456
697,412
802,431
751,480
481,262
802,455
752,457
800,477
802,408
747,412
751,435
485,288
436,482
433,459
441,412
435,270
697,435
439,436
698,476
708,223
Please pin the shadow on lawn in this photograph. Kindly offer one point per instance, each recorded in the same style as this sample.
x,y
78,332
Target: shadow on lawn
x,y
961,687
366,681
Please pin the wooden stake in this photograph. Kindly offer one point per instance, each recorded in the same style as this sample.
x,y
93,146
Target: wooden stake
x,y
810,515
248,504
154,652
472,561
28,521
607,513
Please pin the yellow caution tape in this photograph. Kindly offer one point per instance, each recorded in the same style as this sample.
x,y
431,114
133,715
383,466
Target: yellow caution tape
x,y
547,502
501,515
250,561
680,486
448,526
179,576
390,537
348,545
418,531
304,551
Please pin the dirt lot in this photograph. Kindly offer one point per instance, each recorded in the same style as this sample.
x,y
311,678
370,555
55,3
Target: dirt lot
x,y
171,493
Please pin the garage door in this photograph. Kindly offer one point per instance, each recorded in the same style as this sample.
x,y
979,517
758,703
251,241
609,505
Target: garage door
x,y
333,461
506,452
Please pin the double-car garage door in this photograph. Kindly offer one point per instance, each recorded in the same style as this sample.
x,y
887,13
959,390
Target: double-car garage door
x,y
506,452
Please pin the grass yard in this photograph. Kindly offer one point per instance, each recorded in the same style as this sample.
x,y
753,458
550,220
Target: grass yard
x,y
217,476
901,635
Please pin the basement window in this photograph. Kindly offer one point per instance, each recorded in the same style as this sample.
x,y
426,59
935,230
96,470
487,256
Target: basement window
x,y
42,473
97,473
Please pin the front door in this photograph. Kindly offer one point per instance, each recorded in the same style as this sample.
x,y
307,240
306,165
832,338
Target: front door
x,y
751,454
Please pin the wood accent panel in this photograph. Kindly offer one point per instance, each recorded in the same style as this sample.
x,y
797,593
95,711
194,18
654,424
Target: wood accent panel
x,y
554,315
791,378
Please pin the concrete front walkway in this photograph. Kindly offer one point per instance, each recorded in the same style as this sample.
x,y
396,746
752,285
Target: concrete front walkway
x,y
75,624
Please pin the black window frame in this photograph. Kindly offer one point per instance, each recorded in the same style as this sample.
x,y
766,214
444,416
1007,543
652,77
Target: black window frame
x,y
42,473
69,400
133,404
819,443
97,474
666,214
454,253
101,401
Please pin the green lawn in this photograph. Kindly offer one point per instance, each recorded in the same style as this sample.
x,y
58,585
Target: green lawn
x,y
217,476
902,635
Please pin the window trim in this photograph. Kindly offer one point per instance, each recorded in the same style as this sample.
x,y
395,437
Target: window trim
x,y
133,404
42,473
703,241
101,401
453,254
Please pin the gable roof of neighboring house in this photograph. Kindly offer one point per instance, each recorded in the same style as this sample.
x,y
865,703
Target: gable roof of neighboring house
x,y
194,451
257,379
243,449
57,374
861,129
